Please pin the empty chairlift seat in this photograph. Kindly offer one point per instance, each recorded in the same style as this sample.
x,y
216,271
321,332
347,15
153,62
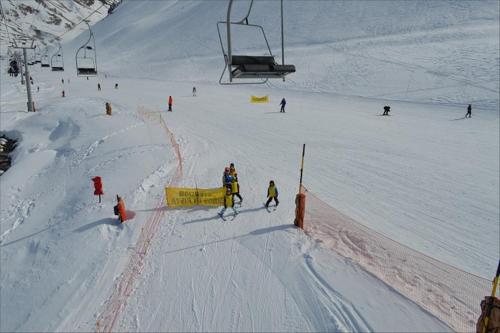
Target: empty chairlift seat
x,y
86,58
86,67
57,60
258,67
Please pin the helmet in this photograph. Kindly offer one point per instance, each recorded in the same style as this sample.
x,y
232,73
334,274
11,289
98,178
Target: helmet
x,y
226,169
231,165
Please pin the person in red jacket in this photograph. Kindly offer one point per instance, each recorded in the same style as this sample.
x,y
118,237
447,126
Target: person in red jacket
x,y
170,102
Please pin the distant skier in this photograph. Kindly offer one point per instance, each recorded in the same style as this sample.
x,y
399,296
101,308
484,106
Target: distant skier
x,y
170,102
37,89
387,109
235,188
116,85
469,112
63,94
227,179
228,202
272,193
62,81
194,91
283,103
98,87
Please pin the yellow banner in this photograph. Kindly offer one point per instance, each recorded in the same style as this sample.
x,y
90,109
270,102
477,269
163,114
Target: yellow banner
x,y
263,99
188,197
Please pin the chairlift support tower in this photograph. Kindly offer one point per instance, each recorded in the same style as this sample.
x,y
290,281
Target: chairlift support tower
x,y
25,45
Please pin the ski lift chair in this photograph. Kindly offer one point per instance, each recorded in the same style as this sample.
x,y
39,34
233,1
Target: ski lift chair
x,y
57,61
45,60
260,68
86,59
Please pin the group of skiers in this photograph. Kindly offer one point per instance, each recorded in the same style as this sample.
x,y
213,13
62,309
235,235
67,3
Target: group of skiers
x,y
230,183
387,109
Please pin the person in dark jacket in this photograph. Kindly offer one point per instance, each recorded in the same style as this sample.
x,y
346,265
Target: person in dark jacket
x,y
283,103
272,193
98,87
387,109
469,112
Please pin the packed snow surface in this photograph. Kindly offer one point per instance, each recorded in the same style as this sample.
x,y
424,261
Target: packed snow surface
x,y
425,176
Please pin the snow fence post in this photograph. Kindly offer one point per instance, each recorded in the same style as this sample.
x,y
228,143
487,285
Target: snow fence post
x,y
108,109
300,209
300,199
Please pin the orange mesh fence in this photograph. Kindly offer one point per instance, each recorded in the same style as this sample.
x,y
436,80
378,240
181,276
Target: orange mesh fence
x,y
450,294
124,287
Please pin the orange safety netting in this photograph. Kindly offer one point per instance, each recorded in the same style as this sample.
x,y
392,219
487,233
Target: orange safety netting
x,y
450,294
124,287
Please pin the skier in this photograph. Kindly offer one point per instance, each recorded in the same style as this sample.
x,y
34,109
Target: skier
x,y
37,89
232,170
469,112
62,94
387,109
62,81
194,91
98,87
272,193
227,179
170,102
235,188
116,85
228,202
283,103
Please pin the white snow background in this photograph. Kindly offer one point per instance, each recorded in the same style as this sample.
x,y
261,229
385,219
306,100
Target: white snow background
x,y
424,177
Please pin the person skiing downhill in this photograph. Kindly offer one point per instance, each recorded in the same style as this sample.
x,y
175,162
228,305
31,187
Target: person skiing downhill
x,y
228,202
194,91
235,188
170,102
98,87
469,112
272,193
283,103
387,109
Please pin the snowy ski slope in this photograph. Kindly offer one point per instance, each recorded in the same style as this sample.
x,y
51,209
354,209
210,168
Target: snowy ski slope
x,y
424,176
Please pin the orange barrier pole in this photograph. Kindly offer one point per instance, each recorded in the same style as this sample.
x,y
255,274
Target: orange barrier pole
x,y
300,199
300,210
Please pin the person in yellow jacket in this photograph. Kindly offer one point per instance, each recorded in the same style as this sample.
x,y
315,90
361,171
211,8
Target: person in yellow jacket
x,y
235,188
272,193
228,202
232,170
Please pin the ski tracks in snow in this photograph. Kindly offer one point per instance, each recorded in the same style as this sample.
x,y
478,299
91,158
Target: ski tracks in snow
x,y
126,283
